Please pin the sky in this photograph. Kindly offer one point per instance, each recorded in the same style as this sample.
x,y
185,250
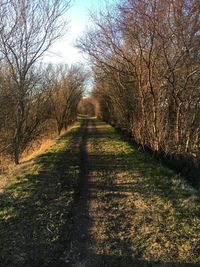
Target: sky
x,y
63,51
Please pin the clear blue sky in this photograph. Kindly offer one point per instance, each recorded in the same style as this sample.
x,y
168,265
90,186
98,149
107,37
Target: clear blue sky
x,y
64,51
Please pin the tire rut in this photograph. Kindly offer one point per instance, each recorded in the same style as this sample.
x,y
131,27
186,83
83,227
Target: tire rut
x,y
79,253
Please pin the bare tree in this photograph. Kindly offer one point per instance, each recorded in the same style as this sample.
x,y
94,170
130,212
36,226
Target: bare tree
x,y
28,29
145,58
66,90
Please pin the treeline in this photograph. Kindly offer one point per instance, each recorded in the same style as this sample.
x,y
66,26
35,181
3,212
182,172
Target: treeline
x,y
146,66
88,106
35,99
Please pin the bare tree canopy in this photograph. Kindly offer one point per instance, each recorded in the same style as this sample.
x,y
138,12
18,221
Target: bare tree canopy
x,y
146,67
27,31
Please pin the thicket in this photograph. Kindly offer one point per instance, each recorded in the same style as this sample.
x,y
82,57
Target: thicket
x,y
146,67
88,106
35,99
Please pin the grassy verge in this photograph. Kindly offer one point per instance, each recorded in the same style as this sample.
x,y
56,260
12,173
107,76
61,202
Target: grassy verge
x,y
149,215
35,208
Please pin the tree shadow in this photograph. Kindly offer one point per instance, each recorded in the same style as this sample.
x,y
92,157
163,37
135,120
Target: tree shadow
x,y
152,182
36,210
128,261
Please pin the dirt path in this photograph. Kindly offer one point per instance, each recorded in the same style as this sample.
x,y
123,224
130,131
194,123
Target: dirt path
x,y
80,251
118,220
92,200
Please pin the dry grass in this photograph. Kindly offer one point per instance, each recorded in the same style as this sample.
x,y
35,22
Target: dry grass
x,y
38,148
7,167
42,145
5,164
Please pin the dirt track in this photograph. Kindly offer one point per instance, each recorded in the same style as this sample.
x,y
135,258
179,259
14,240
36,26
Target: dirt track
x,y
113,206
94,201
80,250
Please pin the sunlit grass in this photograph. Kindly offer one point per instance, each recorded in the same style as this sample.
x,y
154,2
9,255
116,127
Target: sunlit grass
x,y
145,211
149,212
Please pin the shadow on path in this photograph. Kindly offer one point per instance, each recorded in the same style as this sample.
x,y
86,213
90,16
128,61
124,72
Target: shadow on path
x,y
79,251
35,210
47,216
82,252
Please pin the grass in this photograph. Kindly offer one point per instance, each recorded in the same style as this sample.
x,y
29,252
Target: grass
x,y
37,147
36,206
150,214
146,215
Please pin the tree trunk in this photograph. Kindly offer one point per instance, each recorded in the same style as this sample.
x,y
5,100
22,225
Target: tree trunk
x,y
16,150
59,128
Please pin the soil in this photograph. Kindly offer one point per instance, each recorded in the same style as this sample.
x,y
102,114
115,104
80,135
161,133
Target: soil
x,y
82,241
